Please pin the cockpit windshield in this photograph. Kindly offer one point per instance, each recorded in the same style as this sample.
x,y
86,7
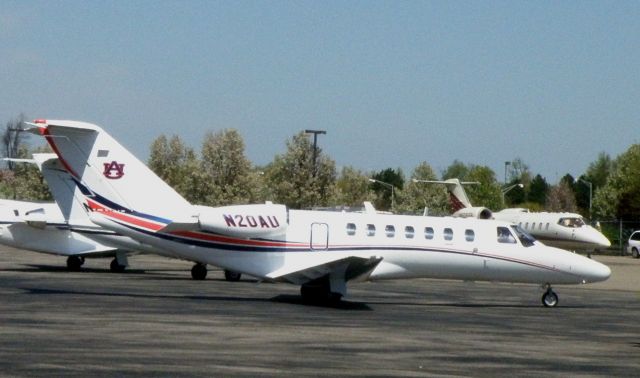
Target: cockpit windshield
x,y
571,222
526,239
505,236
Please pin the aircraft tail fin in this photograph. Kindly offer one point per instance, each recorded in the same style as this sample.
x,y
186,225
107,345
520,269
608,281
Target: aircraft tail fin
x,y
457,196
112,179
64,190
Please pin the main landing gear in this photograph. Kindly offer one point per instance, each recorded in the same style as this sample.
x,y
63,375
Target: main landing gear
x,y
74,262
199,272
116,267
549,298
232,276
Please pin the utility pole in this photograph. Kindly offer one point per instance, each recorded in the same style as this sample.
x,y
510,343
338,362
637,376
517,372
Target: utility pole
x,y
315,147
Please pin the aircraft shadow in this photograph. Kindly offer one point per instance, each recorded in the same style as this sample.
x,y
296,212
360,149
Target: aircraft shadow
x,y
53,268
476,305
287,299
342,305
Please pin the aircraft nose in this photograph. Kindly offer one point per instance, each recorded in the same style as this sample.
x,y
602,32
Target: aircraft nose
x,y
604,241
596,272
599,239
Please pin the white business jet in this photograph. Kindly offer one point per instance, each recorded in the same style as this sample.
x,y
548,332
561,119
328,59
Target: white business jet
x,y
57,228
63,227
319,250
561,230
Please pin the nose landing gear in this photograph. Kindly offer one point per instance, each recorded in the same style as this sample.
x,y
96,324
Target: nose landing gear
x,y
549,298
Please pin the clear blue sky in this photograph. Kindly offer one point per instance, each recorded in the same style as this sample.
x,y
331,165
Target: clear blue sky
x,y
394,83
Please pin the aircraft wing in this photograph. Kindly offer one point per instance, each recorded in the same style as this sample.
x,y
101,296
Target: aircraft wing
x,y
352,267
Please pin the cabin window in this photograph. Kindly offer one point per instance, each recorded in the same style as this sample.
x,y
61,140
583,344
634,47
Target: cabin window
x,y
390,231
16,213
408,232
526,226
428,233
371,230
469,235
540,226
448,234
505,236
351,229
546,228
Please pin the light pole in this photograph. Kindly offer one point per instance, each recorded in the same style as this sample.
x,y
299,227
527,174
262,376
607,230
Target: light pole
x,y
387,185
590,193
506,164
504,191
315,146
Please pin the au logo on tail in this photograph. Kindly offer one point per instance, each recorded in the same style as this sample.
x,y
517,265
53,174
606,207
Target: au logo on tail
x,y
113,170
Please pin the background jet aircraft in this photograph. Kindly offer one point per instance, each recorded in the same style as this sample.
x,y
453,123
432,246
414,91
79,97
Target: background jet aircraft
x,y
63,227
562,230
319,250
58,228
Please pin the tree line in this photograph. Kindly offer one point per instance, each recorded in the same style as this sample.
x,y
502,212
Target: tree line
x,y
221,174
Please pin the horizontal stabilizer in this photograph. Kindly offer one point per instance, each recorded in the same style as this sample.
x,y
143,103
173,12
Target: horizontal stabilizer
x,y
354,268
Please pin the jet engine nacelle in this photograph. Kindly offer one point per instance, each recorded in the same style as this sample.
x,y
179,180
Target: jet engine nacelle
x,y
248,221
474,212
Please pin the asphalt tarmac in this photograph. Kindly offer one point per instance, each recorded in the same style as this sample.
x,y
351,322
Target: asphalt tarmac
x,y
154,320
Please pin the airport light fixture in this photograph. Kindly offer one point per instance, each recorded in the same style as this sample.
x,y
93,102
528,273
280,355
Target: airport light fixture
x,y
508,188
388,186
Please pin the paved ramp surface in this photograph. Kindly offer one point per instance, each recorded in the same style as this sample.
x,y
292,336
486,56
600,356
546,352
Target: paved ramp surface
x,y
155,321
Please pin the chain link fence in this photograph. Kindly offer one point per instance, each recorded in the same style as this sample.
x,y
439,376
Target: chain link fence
x,y
618,232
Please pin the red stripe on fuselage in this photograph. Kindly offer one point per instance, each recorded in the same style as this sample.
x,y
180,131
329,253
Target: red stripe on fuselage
x,y
94,206
230,240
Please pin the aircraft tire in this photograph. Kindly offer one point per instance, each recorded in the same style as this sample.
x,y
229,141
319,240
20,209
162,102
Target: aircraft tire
x,y
115,267
232,276
199,272
550,298
635,253
74,263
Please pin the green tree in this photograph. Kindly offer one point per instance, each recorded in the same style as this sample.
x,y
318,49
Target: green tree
x,y
21,181
417,196
457,169
228,174
620,196
561,198
178,165
384,192
488,193
292,179
597,174
538,190
13,140
352,188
